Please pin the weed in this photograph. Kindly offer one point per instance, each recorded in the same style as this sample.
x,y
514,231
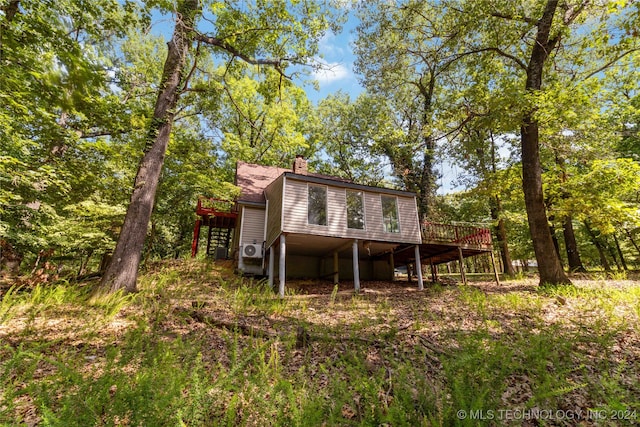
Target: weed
x,y
111,304
10,300
334,294
162,368
476,299
618,275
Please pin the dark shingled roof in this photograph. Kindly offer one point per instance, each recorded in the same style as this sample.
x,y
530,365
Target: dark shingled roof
x,y
253,179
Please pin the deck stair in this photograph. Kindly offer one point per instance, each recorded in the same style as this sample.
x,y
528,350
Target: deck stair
x,y
220,216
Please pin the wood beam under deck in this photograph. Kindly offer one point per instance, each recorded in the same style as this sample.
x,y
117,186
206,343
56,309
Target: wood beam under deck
x,y
443,243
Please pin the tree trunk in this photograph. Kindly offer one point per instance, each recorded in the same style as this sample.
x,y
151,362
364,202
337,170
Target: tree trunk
x,y
496,215
501,238
612,252
427,182
620,254
549,266
122,271
84,261
554,239
571,246
598,245
633,242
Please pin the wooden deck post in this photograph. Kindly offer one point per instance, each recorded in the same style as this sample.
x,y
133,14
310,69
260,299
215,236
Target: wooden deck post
x,y
461,260
209,232
495,268
393,266
356,267
418,267
336,266
282,265
196,238
434,272
272,256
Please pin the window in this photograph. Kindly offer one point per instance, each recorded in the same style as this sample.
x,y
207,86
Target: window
x,y
390,214
355,210
317,206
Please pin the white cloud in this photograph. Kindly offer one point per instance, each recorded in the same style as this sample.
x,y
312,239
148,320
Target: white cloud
x,y
332,46
331,72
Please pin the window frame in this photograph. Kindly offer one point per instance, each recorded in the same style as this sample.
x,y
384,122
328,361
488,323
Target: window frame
x,y
384,217
326,203
360,194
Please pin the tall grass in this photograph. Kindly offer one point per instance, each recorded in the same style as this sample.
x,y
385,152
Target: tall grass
x,y
42,300
489,351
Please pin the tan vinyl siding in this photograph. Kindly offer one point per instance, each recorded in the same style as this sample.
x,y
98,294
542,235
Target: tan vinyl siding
x,y
252,225
295,208
408,215
337,210
274,216
295,214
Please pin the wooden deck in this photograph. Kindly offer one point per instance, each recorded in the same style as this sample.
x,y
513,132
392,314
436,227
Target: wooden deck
x,y
442,243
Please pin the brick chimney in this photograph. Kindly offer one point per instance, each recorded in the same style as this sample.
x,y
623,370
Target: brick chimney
x,y
300,165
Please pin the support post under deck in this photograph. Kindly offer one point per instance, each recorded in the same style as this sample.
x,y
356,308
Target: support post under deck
x,y
356,267
196,238
272,256
461,260
418,268
282,265
495,268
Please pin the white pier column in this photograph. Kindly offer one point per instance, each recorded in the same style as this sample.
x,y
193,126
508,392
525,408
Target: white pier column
x,y
272,255
356,267
419,268
282,265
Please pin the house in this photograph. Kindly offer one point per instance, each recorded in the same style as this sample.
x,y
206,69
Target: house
x,y
291,223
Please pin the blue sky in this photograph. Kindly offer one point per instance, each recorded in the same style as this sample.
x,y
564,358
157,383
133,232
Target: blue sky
x,y
336,52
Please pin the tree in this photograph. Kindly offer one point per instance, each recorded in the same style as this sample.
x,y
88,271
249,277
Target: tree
x,y
476,149
123,269
549,265
56,98
260,119
536,43
349,133
238,32
405,52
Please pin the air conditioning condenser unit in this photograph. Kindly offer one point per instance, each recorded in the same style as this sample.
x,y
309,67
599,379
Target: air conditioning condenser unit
x,y
251,251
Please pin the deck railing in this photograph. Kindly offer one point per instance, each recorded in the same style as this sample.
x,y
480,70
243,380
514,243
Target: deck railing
x,y
448,233
216,207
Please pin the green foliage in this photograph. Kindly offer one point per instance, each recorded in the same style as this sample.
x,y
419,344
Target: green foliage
x,y
41,299
602,192
79,83
57,59
150,397
349,133
262,118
